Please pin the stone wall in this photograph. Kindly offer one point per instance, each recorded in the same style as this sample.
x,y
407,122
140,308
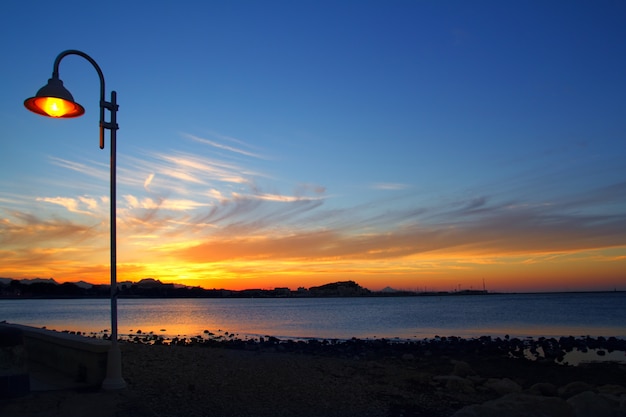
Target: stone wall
x,y
80,358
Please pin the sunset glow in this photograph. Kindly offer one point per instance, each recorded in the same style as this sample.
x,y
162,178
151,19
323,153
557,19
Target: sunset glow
x,y
448,149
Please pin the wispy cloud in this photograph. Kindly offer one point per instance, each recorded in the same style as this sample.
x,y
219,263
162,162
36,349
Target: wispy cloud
x,y
92,169
147,182
177,171
164,204
27,229
229,148
89,206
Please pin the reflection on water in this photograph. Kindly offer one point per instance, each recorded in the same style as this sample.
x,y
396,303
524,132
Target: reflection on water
x,y
517,315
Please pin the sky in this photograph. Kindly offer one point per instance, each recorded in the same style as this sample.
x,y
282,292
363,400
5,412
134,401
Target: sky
x,y
421,145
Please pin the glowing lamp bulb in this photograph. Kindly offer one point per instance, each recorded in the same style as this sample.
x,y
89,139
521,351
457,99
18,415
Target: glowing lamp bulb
x,y
53,100
55,107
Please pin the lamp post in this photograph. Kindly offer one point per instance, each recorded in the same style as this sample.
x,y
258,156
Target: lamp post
x,y
54,100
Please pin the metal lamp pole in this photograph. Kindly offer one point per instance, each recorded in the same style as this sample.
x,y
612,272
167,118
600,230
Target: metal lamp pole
x,y
53,100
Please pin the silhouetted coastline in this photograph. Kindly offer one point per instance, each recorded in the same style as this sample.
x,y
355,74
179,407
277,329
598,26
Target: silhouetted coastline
x,y
152,288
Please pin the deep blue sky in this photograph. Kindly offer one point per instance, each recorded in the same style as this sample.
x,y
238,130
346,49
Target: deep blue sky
x,y
286,143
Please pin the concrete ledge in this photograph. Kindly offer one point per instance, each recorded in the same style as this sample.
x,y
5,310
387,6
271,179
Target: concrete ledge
x,y
82,359
14,379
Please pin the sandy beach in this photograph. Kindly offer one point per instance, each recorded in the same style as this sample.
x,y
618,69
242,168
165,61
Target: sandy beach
x,y
358,378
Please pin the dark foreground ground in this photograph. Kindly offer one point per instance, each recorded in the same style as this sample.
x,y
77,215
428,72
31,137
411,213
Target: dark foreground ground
x,y
445,377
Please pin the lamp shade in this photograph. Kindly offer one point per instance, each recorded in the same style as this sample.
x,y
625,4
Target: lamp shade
x,y
53,100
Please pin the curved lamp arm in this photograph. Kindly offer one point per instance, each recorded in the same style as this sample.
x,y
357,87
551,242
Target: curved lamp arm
x,y
111,106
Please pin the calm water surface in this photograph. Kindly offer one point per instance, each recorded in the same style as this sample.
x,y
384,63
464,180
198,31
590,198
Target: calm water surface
x,y
521,315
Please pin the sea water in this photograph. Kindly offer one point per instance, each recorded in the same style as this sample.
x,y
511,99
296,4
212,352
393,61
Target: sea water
x,y
517,315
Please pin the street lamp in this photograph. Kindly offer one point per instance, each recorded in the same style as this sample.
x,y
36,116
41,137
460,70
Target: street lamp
x,y
54,100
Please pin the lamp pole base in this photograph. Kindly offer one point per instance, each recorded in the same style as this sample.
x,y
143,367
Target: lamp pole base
x,y
114,380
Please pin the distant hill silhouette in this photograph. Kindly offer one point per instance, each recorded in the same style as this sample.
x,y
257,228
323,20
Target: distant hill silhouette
x,y
339,289
150,287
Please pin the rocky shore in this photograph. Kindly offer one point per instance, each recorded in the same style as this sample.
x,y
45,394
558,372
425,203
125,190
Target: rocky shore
x,y
215,376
